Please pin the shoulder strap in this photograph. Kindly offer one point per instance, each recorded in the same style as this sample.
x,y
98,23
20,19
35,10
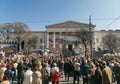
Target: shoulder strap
x,y
46,71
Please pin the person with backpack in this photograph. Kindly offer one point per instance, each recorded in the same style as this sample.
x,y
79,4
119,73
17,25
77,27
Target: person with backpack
x,y
55,74
45,71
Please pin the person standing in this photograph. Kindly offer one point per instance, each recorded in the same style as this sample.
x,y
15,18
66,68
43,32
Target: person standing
x,y
45,71
116,71
98,74
2,70
9,73
85,71
76,71
55,74
107,74
36,77
28,76
20,73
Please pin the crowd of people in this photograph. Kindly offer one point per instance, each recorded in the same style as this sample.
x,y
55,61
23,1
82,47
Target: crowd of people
x,y
42,70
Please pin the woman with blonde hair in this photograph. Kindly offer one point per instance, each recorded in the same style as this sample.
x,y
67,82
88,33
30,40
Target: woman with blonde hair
x,y
36,77
39,66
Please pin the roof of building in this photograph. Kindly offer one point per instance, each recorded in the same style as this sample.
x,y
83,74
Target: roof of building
x,y
70,24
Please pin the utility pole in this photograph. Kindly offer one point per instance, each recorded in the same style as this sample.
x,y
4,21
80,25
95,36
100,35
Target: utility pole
x,y
90,35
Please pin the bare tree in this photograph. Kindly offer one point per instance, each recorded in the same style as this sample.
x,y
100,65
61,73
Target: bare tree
x,y
84,38
31,43
7,28
110,42
20,30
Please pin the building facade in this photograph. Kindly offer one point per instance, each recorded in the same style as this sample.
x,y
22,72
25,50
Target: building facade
x,y
63,34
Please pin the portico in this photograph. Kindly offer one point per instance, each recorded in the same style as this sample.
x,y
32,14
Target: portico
x,y
62,34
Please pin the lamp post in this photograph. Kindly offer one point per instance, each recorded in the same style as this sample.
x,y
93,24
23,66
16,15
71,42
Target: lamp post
x,y
90,35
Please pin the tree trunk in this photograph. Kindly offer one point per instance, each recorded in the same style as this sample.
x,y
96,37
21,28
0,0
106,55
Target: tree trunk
x,y
85,46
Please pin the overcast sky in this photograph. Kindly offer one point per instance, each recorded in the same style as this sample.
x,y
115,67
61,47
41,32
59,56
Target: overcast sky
x,y
39,13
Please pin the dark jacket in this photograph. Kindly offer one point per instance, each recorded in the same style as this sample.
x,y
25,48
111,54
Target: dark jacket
x,y
98,76
85,69
20,70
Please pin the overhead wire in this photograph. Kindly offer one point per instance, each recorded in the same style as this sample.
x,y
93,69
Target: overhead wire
x,y
113,22
57,20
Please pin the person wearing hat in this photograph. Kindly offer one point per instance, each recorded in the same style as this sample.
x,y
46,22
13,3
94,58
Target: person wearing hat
x,y
55,74
55,68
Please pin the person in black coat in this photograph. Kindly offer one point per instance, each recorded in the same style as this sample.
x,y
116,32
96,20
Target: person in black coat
x,y
66,68
98,74
20,70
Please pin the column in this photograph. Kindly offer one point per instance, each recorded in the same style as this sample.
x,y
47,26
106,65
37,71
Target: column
x,y
54,38
60,44
47,40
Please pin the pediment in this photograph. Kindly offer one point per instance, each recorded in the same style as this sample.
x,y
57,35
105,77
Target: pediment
x,y
70,24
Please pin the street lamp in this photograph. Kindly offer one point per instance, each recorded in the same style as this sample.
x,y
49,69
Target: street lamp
x,y
90,35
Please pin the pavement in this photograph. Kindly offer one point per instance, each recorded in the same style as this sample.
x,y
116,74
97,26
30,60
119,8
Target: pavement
x,y
62,81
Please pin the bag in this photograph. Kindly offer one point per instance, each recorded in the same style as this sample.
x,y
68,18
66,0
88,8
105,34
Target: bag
x,y
46,77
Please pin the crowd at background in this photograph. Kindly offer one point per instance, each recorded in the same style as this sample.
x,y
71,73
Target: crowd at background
x,y
42,70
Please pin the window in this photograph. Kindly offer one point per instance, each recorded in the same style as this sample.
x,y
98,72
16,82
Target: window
x,y
97,40
41,41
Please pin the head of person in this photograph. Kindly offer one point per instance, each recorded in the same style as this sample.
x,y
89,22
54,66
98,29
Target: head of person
x,y
9,67
104,64
54,65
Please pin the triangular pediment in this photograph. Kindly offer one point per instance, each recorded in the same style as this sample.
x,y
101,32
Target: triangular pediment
x,y
69,24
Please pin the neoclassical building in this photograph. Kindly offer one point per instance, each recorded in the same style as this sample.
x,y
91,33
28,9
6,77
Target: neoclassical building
x,y
60,35
63,34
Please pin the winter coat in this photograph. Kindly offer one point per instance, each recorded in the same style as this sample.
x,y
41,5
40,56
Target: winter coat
x,y
98,76
36,77
107,75
28,77
20,70
55,76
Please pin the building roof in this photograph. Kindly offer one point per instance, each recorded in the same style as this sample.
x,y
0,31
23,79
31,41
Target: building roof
x,y
70,24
